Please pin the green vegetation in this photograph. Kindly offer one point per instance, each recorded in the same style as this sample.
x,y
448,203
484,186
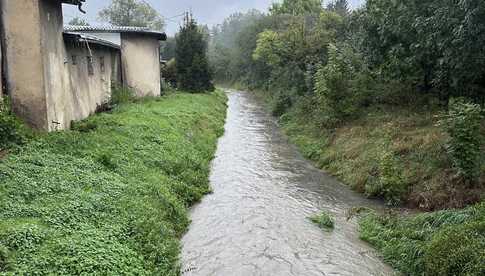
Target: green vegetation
x,y
441,243
323,220
12,131
132,13
360,93
387,98
191,65
109,197
463,126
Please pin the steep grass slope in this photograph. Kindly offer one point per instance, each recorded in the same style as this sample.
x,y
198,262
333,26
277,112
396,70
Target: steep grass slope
x,y
109,197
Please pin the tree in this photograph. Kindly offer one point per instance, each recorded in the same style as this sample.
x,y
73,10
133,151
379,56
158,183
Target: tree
x,y
167,50
77,21
339,6
192,66
132,13
297,7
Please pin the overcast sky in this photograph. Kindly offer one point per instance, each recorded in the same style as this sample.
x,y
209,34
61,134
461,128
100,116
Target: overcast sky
x,y
210,12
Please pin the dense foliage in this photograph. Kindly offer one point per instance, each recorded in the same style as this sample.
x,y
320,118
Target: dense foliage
x,y
463,126
332,67
191,63
132,13
443,243
109,197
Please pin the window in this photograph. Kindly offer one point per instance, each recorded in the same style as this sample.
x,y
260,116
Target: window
x,y
90,65
74,60
101,64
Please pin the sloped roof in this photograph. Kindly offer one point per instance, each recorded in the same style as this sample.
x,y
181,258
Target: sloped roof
x,y
115,29
90,39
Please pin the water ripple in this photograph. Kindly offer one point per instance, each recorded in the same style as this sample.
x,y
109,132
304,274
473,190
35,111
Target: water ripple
x,y
255,222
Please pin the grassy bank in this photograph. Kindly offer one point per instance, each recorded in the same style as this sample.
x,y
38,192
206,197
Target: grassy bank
x,y
441,243
397,154
109,197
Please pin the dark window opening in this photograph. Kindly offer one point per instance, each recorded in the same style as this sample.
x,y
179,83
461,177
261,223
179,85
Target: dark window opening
x,y
90,66
101,64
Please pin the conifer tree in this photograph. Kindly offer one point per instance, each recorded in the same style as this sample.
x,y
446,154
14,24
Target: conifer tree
x,y
192,66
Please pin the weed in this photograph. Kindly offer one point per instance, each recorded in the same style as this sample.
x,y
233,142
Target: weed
x,y
323,220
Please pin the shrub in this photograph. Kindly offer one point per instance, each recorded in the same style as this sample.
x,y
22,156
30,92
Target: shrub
x,y
169,73
10,127
121,95
323,220
334,87
462,124
457,251
280,103
390,182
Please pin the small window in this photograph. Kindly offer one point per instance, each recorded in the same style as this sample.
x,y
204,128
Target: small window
x,y
90,66
74,60
101,64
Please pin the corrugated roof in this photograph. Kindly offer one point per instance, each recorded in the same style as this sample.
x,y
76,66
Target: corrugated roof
x,y
115,29
90,39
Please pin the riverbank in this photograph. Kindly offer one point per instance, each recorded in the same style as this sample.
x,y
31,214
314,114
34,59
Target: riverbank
x,y
110,196
397,154
405,145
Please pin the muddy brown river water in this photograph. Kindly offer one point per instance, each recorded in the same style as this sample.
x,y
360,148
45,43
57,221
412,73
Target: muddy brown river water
x,y
256,220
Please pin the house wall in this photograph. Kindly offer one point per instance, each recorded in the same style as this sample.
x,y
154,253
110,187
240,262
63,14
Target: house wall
x,y
46,89
140,56
90,90
57,86
21,22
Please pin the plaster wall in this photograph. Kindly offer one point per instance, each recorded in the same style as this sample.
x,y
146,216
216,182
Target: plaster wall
x,y
89,90
140,56
21,25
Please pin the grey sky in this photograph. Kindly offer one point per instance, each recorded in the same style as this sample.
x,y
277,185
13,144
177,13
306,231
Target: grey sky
x,y
210,12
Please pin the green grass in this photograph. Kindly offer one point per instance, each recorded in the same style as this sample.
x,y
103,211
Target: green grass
x,y
397,154
323,220
109,197
441,243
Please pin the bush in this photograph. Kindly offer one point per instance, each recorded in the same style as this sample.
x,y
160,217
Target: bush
x,y
334,87
10,127
280,103
169,73
121,95
457,251
390,182
462,123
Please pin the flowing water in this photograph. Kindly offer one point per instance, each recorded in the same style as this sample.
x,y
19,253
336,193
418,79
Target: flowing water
x,y
256,221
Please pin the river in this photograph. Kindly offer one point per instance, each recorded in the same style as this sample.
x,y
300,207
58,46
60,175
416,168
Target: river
x,y
256,220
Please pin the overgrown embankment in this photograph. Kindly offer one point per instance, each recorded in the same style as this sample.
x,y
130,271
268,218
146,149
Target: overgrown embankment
x,y
109,197
395,153
448,242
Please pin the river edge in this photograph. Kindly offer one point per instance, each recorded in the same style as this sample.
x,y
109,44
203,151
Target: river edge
x,y
406,232
109,196
237,172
